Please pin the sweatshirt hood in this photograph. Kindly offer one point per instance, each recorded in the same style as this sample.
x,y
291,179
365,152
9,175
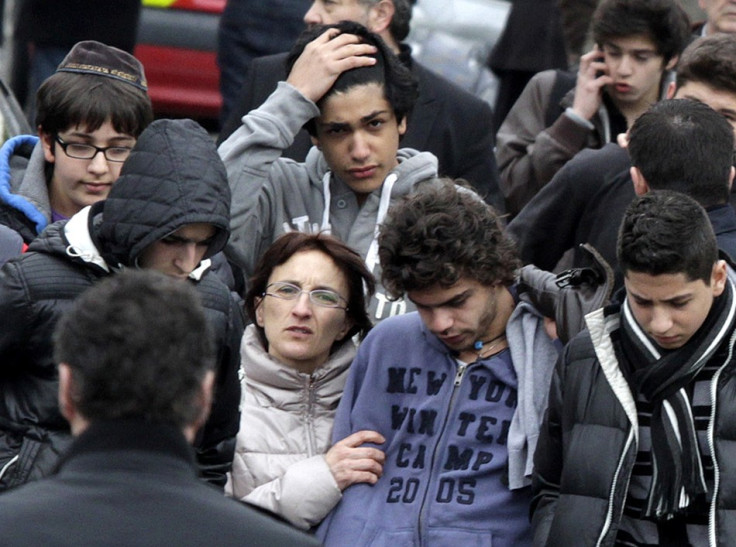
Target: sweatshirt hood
x,y
172,178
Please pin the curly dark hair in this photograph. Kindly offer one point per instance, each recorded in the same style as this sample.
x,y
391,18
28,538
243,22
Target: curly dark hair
x,y
360,281
441,234
399,85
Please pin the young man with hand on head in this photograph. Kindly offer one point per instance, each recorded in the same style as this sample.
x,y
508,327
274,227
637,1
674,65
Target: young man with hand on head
x,y
559,114
354,97
449,122
637,445
90,113
170,212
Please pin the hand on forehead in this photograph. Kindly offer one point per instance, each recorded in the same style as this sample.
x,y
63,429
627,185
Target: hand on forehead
x,y
325,58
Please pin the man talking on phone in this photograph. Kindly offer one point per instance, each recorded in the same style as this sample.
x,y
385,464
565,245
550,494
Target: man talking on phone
x,y
560,113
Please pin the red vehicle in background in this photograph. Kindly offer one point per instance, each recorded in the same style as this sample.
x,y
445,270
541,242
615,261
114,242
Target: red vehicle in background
x,y
177,44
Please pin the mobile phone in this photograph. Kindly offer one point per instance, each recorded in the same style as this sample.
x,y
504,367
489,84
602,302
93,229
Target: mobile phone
x,y
599,73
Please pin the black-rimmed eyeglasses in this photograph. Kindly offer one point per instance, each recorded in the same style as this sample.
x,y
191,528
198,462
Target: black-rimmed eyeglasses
x,y
320,297
81,151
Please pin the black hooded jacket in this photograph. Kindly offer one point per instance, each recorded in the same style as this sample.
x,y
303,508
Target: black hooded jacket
x,y
173,177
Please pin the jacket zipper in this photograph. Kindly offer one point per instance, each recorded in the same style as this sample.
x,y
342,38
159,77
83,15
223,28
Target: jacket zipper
x,y
308,422
459,375
611,501
712,445
9,465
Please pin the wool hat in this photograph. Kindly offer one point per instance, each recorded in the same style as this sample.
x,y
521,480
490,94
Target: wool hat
x,y
98,59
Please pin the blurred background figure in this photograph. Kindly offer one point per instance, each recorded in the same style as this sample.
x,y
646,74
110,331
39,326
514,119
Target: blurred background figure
x,y
306,302
532,41
46,31
250,29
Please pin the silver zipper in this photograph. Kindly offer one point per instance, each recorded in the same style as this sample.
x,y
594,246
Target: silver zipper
x,y
462,367
308,423
712,444
611,501
459,375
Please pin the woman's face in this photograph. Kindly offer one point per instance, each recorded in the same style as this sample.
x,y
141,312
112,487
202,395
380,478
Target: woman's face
x,y
300,333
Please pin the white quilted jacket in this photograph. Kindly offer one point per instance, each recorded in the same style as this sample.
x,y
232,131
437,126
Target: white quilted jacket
x,y
285,428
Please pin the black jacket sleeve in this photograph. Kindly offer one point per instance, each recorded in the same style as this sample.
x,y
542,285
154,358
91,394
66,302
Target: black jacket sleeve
x,y
215,443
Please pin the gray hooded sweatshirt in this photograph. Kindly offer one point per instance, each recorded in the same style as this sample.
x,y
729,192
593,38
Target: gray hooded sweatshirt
x,y
272,195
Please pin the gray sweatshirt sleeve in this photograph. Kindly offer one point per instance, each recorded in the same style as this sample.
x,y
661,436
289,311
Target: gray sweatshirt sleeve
x,y
257,174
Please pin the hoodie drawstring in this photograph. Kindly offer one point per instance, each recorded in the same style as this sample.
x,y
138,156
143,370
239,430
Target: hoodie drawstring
x,y
371,258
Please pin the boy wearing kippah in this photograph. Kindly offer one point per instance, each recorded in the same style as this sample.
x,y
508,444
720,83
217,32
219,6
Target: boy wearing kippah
x,y
89,115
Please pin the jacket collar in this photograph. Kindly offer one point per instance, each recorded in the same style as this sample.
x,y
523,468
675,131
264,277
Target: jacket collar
x,y
261,372
77,234
130,435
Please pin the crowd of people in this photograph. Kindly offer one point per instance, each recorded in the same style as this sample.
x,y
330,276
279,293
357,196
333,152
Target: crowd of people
x,y
360,319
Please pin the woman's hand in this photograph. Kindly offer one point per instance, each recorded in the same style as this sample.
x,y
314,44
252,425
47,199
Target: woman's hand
x,y
350,462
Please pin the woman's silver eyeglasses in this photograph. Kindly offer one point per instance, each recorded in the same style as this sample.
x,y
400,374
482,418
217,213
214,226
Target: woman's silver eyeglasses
x,y
320,297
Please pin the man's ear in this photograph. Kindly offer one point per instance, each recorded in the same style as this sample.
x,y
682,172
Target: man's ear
x,y
671,90
402,126
731,174
205,396
315,142
718,277
672,63
640,184
67,397
47,142
380,16
203,402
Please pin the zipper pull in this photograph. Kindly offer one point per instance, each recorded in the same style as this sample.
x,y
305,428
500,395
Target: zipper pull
x,y
460,373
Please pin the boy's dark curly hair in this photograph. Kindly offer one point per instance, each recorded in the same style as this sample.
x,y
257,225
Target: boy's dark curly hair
x,y
441,234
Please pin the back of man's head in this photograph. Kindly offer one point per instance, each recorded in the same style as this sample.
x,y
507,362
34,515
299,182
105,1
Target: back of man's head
x,y
399,86
138,346
662,21
441,234
93,84
685,146
665,232
710,60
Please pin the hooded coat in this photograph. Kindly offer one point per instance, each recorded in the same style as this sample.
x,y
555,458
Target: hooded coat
x,y
172,178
